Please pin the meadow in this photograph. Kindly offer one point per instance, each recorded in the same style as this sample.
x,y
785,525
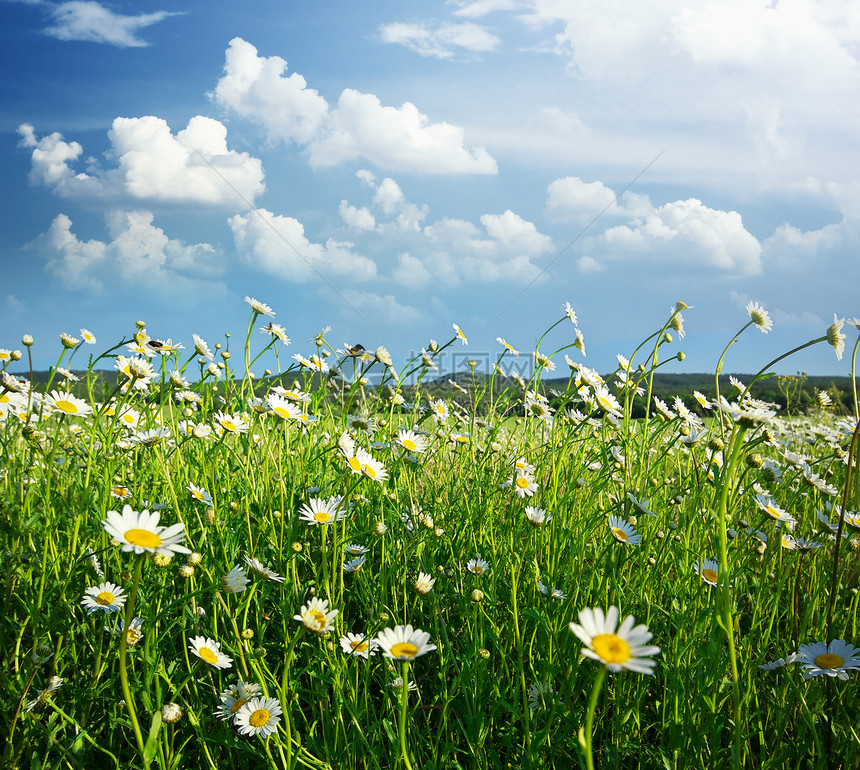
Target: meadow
x,y
206,569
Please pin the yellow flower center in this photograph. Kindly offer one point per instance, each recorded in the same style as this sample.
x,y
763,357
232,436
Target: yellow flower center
x,y
828,660
404,650
358,646
105,598
620,534
237,705
409,444
463,439
322,517
143,537
611,648
281,412
477,569
773,512
120,491
259,718
605,404
522,482
206,654
229,425
369,471
133,636
67,406
354,464
710,575
317,619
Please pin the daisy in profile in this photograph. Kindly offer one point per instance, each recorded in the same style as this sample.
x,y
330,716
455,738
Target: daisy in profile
x,y
460,334
623,531
537,517
281,407
354,565
759,316
424,583
354,549
106,596
134,633
259,716
261,569
260,308
708,570
835,338
199,494
477,566
236,696
834,659
232,423
570,313
768,505
358,645
319,511
141,533
316,616
508,347
618,648
404,642
202,348
235,581
606,401
370,466
210,651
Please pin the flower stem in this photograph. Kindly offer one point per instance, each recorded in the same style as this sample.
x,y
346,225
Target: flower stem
x,y
123,670
586,736
404,703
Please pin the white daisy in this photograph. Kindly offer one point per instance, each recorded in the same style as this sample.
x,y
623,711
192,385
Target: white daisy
x,y
140,532
358,645
261,569
108,597
316,616
404,642
617,648
210,651
259,716
834,659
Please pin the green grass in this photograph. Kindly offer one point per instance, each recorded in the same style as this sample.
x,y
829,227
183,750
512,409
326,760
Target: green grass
x,y
472,706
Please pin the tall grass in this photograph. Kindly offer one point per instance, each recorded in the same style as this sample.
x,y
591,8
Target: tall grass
x,y
507,685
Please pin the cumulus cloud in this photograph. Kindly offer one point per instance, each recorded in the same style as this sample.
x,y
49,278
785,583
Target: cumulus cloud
x,y
277,245
193,167
440,41
410,272
360,126
139,253
480,8
359,218
384,307
688,233
93,22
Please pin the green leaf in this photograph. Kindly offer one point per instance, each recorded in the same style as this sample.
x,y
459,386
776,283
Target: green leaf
x,y
152,741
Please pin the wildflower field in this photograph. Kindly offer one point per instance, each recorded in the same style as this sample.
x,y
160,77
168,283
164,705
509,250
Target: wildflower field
x,y
210,570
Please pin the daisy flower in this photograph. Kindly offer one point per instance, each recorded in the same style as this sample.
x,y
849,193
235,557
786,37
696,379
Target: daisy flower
x,y
477,566
259,716
353,549
537,516
523,485
507,346
835,338
617,648
236,696
65,402
606,401
319,511
140,532
261,569
108,597
210,651
316,616
440,410
235,581
769,506
834,659
623,531
277,331
424,583
202,347
199,494
411,441
358,645
232,423
759,316
708,570
404,642
370,466
354,565
541,696
134,633
261,308
68,340
88,337
460,334
281,407
569,312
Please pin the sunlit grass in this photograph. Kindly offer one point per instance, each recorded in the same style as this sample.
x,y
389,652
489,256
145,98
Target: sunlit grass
x,y
329,574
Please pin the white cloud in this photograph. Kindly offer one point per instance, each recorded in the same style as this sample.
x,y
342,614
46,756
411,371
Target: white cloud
x,y
382,307
138,254
483,7
91,21
358,127
359,218
440,41
277,245
410,272
686,233
153,165
512,233
573,198
586,264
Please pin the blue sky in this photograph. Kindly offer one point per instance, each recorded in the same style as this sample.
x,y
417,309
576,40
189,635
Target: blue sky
x,y
387,169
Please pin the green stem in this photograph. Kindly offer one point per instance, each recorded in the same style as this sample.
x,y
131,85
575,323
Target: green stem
x,y
586,736
123,670
404,704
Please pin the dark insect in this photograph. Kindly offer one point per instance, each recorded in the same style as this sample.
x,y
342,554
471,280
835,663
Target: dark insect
x,y
356,350
155,344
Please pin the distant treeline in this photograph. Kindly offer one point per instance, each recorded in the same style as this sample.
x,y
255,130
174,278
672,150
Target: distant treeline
x,y
795,394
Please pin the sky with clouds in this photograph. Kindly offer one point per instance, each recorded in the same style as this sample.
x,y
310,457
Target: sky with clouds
x,y
389,168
